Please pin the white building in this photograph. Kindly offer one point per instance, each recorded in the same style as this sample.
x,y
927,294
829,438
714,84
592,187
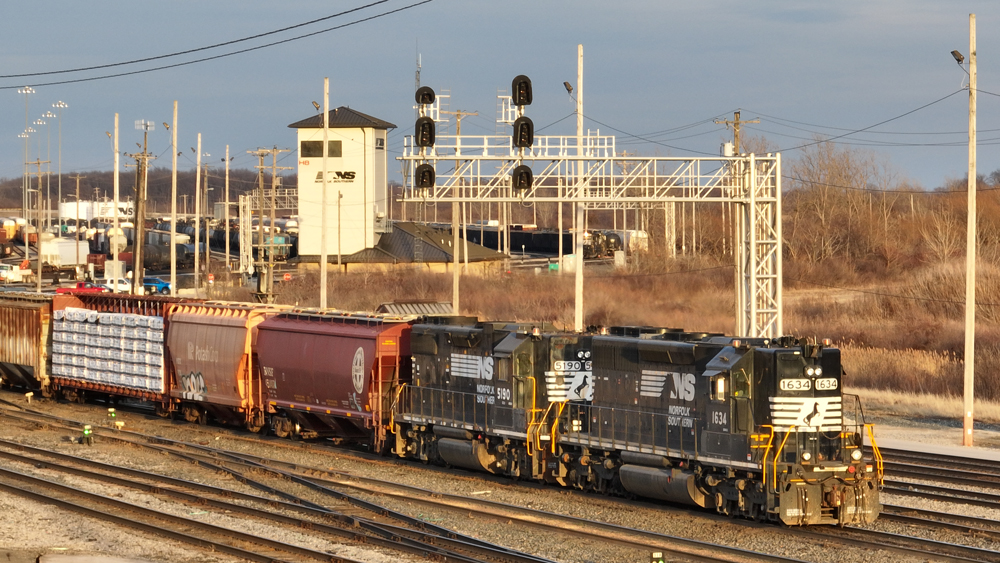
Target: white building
x,y
356,168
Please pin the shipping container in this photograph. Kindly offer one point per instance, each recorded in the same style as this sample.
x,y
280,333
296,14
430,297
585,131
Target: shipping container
x,y
212,363
330,373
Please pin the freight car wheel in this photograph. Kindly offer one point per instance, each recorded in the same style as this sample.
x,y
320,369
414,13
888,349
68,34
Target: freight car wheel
x,y
194,414
281,426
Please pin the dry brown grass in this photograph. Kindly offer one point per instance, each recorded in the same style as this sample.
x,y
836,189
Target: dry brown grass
x,y
908,349
922,405
691,294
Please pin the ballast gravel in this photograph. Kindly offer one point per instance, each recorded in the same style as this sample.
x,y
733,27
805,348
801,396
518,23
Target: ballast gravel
x,y
26,524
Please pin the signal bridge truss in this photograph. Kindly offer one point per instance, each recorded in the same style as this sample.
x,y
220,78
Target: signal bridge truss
x,y
585,170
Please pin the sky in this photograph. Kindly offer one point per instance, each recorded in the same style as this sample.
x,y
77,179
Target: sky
x,y
657,73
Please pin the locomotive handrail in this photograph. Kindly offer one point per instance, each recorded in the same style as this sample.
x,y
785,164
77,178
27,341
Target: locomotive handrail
x,y
395,405
870,429
555,424
767,449
534,430
791,430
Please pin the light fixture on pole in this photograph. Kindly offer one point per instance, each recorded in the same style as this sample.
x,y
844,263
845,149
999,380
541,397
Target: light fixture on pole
x,y
968,394
48,173
27,91
60,105
27,185
173,201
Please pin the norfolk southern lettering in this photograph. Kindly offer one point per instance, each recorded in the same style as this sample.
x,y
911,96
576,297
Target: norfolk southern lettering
x,y
336,176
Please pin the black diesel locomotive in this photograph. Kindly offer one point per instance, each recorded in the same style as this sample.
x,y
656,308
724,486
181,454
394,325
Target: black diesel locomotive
x,y
750,427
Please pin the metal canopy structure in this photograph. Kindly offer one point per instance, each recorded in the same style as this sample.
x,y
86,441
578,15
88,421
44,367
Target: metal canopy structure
x,y
585,170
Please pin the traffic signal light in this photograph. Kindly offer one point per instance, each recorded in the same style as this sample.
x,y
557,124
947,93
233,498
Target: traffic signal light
x,y
521,90
424,132
425,95
522,178
524,132
424,176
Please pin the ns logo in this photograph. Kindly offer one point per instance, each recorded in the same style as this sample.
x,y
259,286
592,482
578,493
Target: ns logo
x,y
336,176
683,386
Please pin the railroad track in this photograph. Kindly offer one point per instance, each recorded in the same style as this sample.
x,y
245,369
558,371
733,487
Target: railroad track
x,y
606,532
414,535
322,520
324,481
199,534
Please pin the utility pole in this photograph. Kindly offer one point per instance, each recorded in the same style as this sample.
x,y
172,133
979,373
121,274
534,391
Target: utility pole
x,y
578,316
455,294
459,114
141,176
185,204
38,229
226,214
323,256
173,202
117,226
197,218
76,242
970,250
274,190
266,288
736,123
208,241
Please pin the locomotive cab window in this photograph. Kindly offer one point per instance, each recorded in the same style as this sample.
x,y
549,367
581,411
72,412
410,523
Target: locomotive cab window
x,y
718,392
790,365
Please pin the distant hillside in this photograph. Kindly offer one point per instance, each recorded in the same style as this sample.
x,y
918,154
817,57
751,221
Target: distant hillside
x,y
240,181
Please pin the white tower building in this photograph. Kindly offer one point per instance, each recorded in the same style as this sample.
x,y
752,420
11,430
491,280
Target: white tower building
x,y
356,169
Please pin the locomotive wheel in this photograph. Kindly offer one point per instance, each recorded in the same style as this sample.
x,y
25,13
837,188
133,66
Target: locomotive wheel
x,y
47,392
162,412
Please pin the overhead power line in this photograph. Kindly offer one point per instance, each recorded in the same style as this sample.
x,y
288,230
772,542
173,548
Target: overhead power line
x,y
196,50
237,52
900,116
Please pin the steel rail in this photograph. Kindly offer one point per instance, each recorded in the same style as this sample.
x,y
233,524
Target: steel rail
x,y
176,521
935,550
558,524
426,535
380,538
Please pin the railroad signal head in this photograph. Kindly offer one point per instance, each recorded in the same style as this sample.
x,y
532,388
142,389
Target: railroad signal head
x,y
424,132
424,176
522,178
425,95
524,132
520,90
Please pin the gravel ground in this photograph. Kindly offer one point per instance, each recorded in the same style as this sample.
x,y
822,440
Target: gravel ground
x,y
81,535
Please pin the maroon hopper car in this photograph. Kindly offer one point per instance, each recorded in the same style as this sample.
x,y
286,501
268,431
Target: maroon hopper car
x,y
334,374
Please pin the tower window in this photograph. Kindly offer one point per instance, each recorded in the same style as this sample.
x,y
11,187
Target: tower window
x,y
314,149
